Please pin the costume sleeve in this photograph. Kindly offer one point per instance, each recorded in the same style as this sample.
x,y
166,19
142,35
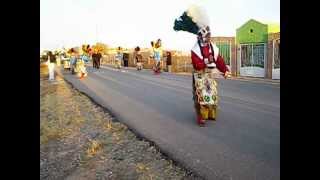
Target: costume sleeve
x,y
197,63
221,65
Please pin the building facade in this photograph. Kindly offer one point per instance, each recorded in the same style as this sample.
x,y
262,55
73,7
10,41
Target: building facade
x,y
254,52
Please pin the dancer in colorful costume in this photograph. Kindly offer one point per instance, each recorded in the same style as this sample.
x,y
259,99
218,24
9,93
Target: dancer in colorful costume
x,y
73,59
96,57
119,58
205,58
157,55
138,58
86,53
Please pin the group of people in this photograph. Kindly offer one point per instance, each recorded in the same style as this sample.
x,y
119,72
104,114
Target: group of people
x,y
156,54
77,63
78,60
137,57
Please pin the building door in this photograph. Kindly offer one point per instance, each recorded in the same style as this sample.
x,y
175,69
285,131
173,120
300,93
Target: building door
x,y
225,52
276,59
252,59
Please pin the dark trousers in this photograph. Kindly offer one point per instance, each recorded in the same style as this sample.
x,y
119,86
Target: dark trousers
x,y
98,63
195,97
125,63
94,64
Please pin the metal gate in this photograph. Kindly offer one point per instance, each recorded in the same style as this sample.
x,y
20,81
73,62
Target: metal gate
x,y
276,59
252,59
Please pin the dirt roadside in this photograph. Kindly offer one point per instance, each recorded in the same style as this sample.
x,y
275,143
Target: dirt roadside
x,y
79,140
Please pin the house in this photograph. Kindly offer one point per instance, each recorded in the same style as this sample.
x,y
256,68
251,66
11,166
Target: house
x,y
258,50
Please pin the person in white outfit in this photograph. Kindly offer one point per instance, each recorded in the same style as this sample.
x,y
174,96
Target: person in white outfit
x,y
119,58
51,63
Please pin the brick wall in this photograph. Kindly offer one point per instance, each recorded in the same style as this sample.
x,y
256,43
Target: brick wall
x,y
271,38
180,63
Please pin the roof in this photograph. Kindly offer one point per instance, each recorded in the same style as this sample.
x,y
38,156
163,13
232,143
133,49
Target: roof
x,y
250,21
273,27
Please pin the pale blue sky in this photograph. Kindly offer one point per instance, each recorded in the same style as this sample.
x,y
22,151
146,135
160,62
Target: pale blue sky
x,y
130,23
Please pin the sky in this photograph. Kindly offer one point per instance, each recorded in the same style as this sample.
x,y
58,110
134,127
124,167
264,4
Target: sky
x,y
130,23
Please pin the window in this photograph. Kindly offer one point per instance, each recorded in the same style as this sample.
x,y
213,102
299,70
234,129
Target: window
x,y
224,51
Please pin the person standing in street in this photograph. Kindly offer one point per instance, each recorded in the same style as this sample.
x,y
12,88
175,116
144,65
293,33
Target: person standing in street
x,y
138,58
205,59
119,58
96,57
157,56
169,61
51,64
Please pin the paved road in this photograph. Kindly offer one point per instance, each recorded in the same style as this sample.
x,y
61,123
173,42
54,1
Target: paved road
x,y
243,144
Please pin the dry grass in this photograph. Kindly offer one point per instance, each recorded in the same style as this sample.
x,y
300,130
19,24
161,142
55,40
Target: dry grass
x,y
93,148
59,113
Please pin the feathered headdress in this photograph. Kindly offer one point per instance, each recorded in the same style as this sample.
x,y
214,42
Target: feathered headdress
x,y
70,51
194,20
85,48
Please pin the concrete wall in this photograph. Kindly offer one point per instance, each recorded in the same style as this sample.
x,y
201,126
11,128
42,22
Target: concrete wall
x,y
181,63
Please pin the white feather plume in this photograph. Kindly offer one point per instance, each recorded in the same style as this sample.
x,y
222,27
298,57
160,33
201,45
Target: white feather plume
x,y
198,15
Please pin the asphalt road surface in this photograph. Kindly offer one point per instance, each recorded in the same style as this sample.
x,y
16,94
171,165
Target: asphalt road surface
x,y
243,144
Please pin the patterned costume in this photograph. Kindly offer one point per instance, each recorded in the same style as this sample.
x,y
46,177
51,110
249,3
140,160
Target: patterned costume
x,y
138,58
205,58
81,69
157,55
119,58
86,53
73,59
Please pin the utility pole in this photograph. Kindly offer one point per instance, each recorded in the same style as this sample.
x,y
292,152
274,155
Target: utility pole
x,y
96,33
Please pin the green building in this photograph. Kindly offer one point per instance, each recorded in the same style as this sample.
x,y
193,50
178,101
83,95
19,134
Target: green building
x,y
251,39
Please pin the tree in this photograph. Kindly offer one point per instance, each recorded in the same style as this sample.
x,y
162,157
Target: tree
x,y
102,48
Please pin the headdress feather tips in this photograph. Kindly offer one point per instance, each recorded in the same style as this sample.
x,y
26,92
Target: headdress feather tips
x,y
193,20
